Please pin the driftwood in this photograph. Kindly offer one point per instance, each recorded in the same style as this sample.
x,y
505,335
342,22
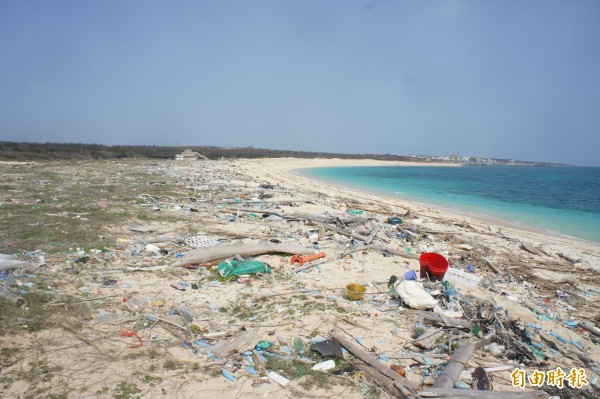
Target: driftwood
x,y
532,250
590,327
243,341
429,339
343,231
446,321
474,394
312,264
10,264
568,258
416,355
12,298
372,235
380,248
202,255
455,366
381,379
492,266
396,252
269,201
372,361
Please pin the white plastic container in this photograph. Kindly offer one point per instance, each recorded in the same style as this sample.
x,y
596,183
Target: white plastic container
x,y
459,277
324,366
281,380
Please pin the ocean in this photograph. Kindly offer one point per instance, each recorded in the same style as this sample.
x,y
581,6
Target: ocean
x,y
557,200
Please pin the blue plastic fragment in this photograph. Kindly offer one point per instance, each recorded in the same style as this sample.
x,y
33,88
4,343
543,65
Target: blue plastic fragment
x,y
202,344
558,337
248,353
571,323
428,361
577,345
210,355
360,341
286,349
383,358
251,370
249,358
228,375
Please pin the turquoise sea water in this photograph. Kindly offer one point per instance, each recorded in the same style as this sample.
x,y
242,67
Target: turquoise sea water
x,y
564,200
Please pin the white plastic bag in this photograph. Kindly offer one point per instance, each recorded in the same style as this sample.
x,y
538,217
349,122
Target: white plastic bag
x,y
414,295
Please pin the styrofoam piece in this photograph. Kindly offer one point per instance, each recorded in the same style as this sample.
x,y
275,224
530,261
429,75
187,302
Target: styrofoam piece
x,y
202,241
278,378
459,277
324,366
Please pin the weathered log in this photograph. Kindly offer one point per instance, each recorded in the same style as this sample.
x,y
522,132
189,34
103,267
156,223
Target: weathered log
x,y
492,266
590,327
12,298
372,360
396,252
343,231
455,366
446,321
9,264
568,258
372,235
532,250
202,255
381,379
474,394
243,341
269,201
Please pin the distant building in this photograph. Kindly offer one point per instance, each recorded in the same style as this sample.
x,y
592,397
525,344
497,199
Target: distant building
x,y
455,157
188,154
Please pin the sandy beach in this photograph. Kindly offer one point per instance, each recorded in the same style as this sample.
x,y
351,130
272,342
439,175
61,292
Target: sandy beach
x,y
127,286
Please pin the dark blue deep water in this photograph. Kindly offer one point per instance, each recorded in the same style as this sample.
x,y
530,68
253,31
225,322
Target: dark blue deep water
x,y
564,200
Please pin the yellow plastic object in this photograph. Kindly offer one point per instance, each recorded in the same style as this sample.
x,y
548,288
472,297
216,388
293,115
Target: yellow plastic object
x,y
355,291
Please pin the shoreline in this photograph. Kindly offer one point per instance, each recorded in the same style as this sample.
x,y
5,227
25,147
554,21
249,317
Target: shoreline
x,y
283,168
141,257
482,217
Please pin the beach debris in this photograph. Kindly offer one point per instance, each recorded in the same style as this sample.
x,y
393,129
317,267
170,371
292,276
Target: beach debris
x,y
307,258
238,268
242,342
414,295
203,255
328,347
355,291
324,366
9,296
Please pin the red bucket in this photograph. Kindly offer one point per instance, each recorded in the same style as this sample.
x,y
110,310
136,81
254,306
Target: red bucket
x,y
433,266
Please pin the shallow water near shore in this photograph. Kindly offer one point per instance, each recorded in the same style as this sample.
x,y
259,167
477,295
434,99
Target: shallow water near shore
x,y
563,200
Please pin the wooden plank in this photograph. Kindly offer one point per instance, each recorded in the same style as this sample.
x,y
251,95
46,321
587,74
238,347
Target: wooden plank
x,y
243,341
372,361
446,321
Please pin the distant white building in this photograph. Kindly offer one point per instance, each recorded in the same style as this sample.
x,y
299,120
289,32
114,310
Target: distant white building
x,y
188,154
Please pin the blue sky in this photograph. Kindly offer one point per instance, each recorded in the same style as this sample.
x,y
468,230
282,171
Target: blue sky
x,y
507,79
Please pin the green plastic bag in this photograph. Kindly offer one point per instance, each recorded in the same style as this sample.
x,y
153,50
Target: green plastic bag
x,y
236,268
